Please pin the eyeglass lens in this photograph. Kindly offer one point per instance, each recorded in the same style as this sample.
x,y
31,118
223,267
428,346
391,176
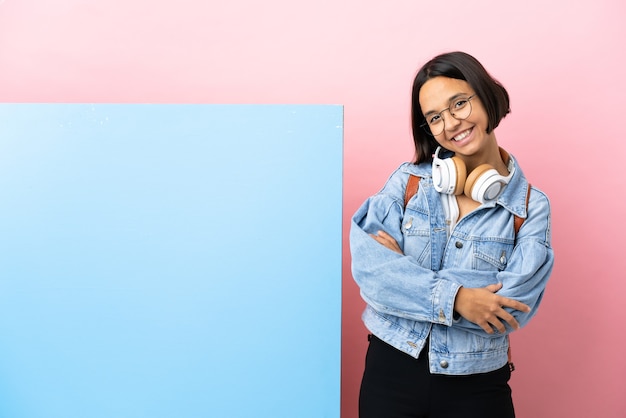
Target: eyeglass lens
x,y
459,109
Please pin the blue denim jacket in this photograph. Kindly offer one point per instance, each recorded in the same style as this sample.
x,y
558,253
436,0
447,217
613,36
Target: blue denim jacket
x,y
411,297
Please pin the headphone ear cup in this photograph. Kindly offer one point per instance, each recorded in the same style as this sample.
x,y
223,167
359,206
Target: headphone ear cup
x,y
483,184
461,174
449,175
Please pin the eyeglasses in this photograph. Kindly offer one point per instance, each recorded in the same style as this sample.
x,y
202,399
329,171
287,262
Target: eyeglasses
x,y
459,109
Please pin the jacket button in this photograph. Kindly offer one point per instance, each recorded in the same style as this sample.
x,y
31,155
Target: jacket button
x,y
458,244
443,364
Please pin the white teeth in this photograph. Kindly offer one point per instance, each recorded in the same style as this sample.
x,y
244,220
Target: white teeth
x,y
461,136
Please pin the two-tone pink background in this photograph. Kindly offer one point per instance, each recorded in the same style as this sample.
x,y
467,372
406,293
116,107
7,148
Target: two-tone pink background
x,y
562,63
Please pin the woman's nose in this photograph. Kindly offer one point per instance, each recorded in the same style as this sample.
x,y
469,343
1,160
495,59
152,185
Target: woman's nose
x,y
450,122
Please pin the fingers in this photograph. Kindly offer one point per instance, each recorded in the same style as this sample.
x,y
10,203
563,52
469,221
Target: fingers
x,y
486,309
514,304
509,319
486,326
381,240
494,320
494,323
387,240
493,288
501,314
509,303
385,236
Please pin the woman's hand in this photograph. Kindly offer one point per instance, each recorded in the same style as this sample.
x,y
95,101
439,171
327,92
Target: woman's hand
x,y
486,309
388,241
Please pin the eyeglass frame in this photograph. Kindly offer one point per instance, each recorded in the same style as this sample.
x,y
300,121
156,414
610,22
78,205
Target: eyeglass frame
x,y
425,124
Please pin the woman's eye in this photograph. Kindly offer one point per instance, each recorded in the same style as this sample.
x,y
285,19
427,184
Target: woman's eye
x,y
434,119
460,103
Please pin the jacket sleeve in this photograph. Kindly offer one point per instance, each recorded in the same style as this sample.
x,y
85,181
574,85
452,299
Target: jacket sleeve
x,y
390,282
527,272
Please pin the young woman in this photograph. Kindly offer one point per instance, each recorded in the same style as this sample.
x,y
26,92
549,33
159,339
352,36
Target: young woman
x,y
448,274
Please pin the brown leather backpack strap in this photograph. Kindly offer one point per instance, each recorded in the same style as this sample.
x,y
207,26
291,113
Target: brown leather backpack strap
x,y
517,221
411,188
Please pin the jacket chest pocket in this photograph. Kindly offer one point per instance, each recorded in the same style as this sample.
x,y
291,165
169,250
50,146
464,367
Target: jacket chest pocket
x,y
491,255
417,237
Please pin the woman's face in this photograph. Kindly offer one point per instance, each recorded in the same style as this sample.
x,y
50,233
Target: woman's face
x,y
439,97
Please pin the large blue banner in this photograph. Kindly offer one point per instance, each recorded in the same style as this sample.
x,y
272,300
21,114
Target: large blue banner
x,y
170,260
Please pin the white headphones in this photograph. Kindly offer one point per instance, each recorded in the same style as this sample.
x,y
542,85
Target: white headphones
x,y
483,184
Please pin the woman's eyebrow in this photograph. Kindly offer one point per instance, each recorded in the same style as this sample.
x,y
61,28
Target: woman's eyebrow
x,y
453,97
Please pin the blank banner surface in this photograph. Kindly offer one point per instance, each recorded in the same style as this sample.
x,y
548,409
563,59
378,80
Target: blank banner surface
x,y
170,260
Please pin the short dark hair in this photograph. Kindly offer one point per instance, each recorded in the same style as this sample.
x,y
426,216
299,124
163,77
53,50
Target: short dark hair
x,y
461,66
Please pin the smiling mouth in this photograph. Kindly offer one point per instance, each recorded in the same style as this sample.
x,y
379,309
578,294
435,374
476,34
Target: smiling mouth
x,y
462,135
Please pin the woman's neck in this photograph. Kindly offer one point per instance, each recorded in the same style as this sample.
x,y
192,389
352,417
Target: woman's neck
x,y
489,155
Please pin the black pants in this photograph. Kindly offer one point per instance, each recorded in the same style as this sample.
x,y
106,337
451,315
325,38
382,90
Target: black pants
x,y
395,385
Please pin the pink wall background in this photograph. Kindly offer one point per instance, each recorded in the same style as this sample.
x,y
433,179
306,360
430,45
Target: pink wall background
x,y
562,62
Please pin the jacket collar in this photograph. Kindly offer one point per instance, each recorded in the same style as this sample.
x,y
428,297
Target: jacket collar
x,y
513,198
